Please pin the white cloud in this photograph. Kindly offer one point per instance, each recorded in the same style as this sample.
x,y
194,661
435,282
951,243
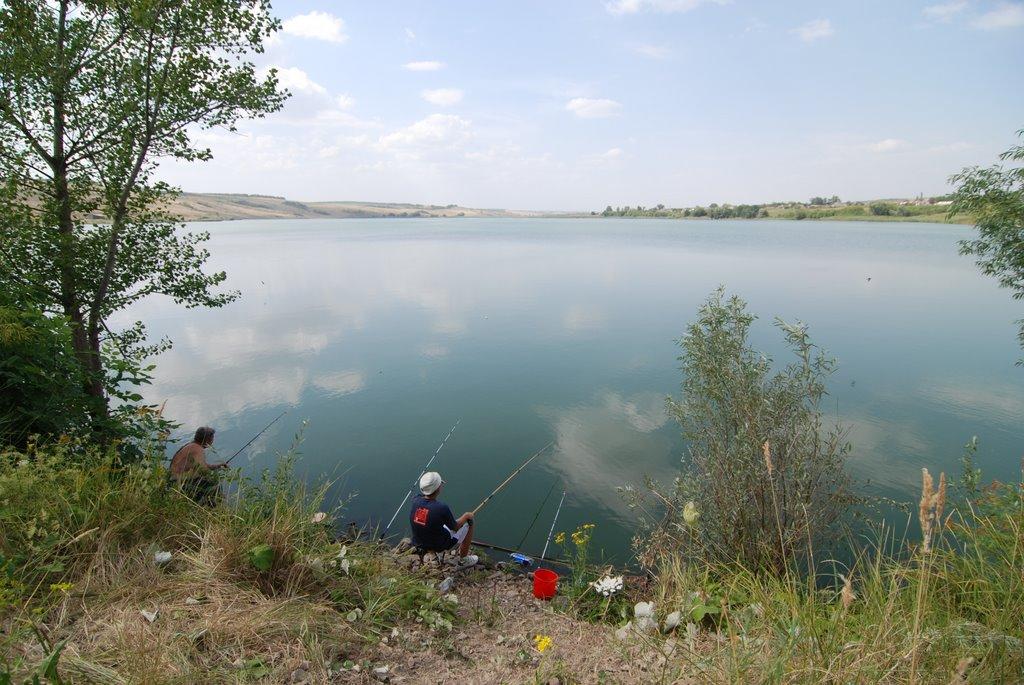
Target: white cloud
x,y
888,145
342,382
815,29
298,81
317,25
437,130
443,97
433,351
428,65
1006,15
613,153
665,6
579,318
593,108
344,101
652,51
945,11
410,34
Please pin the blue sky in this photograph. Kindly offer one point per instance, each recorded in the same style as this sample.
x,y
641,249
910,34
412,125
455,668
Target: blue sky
x,y
575,104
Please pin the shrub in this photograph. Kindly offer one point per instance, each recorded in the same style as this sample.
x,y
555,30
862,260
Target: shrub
x,y
65,505
764,474
40,384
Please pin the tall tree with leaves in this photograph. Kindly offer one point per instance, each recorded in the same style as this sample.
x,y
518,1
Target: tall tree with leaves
x,y
93,94
995,197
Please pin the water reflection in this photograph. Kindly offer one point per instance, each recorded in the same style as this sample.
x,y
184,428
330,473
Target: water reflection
x,y
383,332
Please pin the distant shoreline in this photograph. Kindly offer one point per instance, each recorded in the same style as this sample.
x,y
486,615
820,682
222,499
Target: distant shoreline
x,y
214,207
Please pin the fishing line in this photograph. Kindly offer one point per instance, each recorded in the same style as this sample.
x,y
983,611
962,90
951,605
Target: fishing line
x,y
537,515
416,482
553,522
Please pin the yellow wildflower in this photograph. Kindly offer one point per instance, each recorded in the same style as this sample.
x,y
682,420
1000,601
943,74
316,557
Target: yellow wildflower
x,y
542,642
560,538
61,587
690,513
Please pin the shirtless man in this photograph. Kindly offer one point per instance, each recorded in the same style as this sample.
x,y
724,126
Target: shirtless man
x,y
190,470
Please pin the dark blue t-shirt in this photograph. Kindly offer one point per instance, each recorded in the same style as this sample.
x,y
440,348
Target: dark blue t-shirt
x,y
427,518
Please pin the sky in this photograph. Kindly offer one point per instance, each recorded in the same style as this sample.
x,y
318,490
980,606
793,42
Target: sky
x,y
578,104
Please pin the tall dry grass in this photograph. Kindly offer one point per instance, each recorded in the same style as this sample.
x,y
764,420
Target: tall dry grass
x,y
945,608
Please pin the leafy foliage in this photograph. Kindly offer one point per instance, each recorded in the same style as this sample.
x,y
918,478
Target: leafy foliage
x,y
995,197
40,385
764,473
92,95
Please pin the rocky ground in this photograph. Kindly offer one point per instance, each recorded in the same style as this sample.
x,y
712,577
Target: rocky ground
x,y
494,642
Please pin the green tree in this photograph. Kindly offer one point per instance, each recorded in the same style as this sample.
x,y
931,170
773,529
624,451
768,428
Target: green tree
x,y
764,471
994,196
92,95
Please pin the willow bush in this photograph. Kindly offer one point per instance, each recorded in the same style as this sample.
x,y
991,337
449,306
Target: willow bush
x,y
764,475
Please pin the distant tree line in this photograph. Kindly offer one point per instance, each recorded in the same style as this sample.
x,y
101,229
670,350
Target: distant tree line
x,y
815,208
712,211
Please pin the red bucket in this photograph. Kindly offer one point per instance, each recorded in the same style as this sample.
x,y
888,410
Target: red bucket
x,y
545,583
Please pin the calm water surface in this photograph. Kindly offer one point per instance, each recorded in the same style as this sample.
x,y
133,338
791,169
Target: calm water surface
x,y
383,332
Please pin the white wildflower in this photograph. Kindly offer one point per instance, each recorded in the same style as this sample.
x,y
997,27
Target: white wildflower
x,y
608,585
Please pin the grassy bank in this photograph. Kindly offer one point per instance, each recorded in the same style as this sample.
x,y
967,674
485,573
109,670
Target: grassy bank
x,y
259,590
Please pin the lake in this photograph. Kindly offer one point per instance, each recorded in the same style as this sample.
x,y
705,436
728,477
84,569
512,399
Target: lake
x,y
382,333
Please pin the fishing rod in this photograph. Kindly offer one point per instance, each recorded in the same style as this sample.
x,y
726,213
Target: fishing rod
x,y
255,436
537,515
519,557
416,482
498,548
511,476
553,522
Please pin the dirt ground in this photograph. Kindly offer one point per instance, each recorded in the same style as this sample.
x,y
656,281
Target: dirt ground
x,y
494,643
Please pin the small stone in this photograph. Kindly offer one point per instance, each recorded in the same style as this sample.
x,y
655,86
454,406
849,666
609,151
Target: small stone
x,y
191,601
161,558
298,675
149,615
554,681
238,663
304,666
624,632
381,673
672,621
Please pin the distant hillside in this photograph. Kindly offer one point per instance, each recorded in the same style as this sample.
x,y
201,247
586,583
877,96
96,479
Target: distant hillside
x,y
224,206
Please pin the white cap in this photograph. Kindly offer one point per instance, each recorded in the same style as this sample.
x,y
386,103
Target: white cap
x,y
430,482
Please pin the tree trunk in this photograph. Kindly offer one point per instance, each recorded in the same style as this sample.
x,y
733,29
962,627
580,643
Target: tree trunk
x,y
84,338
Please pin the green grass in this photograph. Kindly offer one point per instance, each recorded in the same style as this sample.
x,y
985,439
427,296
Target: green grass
x,y
255,586
951,612
255,577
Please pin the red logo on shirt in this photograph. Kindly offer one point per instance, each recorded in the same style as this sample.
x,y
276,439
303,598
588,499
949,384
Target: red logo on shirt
x,y
419,517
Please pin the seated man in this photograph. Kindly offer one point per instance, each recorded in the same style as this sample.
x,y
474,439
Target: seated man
x,y
434,527
190,470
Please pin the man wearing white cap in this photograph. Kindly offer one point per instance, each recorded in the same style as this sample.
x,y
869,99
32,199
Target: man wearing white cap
x,y
434,527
